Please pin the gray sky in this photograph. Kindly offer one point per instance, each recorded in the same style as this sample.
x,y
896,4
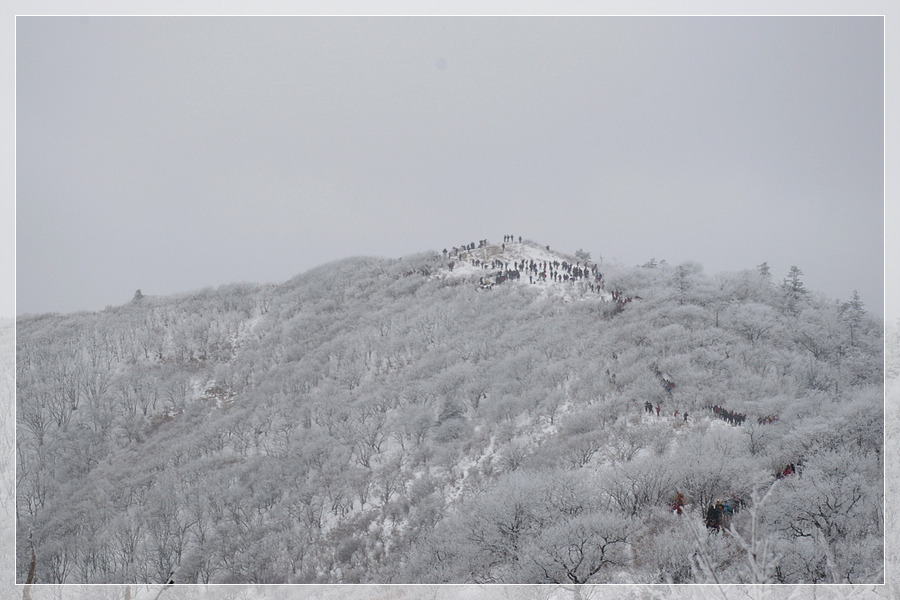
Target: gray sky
x,y
170,154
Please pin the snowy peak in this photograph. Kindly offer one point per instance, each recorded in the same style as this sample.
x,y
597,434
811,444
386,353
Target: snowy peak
x,y
509,251
525,263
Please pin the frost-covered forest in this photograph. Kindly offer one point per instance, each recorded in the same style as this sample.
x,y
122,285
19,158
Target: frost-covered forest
x,y
469,416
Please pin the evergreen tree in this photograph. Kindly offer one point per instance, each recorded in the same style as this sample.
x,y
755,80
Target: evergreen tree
x,y
852,312
794,290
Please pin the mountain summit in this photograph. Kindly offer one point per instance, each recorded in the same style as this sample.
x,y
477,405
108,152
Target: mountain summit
x,y
499,412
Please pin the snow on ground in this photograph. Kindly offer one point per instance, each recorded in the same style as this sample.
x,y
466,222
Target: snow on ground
x,y
470,264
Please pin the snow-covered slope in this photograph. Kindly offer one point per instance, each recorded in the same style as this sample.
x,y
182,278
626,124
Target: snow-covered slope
x,y
380,420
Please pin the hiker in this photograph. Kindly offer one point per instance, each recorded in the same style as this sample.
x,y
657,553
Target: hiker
x,y
678,505
657,410
713,519
685,417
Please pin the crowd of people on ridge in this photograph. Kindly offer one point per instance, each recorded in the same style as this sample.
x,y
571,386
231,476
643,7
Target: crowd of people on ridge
x,y
537,270
649,408
727,415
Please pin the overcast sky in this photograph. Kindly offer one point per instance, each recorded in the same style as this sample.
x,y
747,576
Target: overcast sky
x,y
171,154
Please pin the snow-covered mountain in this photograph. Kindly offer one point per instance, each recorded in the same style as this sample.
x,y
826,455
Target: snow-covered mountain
x,y
499,412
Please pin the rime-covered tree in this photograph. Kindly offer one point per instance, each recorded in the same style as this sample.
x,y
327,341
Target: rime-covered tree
x,y
853,313
793,289
390,421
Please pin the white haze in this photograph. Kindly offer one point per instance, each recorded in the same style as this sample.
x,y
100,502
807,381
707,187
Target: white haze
x,y
169,154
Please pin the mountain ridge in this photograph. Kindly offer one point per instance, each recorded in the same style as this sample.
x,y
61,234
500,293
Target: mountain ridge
x,y
366,421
